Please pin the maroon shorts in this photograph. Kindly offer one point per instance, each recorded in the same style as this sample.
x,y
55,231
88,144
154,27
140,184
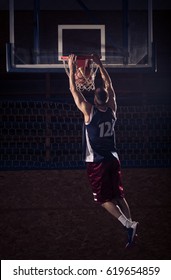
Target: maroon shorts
x,y
105,180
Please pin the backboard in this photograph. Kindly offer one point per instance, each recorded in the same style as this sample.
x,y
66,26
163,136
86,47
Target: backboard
x,y
119,31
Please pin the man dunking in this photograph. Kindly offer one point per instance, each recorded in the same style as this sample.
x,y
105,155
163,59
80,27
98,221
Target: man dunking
x,y
103,165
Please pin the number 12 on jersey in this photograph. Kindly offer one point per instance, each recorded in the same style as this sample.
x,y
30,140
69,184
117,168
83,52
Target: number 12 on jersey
x,y
106,129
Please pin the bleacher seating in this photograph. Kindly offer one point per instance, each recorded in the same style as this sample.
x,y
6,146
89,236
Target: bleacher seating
x,y
41,134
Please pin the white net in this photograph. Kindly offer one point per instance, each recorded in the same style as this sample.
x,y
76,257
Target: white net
x,y
84,82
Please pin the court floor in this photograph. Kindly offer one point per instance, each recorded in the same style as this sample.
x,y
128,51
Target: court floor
x,y
50,214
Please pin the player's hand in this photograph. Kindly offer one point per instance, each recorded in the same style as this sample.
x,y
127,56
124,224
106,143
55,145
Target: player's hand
x,y
72,61
96,59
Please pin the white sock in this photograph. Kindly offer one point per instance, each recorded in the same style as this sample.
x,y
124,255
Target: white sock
x,y
130,219
123,219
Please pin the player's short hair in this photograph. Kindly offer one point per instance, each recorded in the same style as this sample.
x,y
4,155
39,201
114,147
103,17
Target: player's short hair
x,y
101,96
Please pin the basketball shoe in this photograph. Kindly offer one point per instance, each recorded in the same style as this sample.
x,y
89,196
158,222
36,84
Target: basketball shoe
x,y
132,234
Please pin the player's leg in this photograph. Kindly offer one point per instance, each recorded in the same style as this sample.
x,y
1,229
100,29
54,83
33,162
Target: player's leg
x,y
117,188
124,207
117,213
131,226
104,193
112,209
105,182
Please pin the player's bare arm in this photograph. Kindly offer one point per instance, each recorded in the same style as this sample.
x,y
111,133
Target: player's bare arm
x,y
107,83
79,99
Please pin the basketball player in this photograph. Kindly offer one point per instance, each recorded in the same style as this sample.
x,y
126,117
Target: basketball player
x,y
103,165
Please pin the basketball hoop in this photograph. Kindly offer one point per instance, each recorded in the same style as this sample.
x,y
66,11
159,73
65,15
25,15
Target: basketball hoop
x,y
85,72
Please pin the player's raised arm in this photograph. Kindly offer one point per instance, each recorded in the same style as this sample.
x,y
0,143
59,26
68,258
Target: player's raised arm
x,y
79,99
107,83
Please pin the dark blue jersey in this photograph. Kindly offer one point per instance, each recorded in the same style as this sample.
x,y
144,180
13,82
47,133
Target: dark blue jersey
x,y
100,135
